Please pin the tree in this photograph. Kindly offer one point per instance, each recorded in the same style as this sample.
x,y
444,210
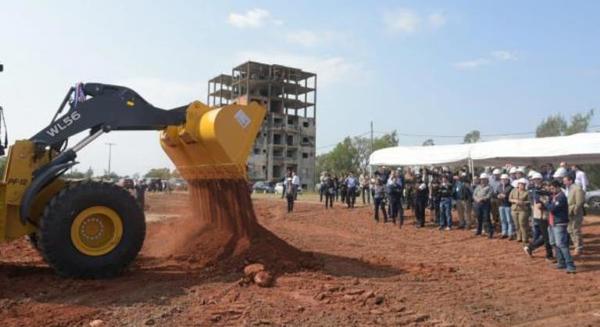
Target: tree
x,y
89,173
554,125
112,176
579,123
74,174
352,154
472,137
175,173
363,146
162,173
428,142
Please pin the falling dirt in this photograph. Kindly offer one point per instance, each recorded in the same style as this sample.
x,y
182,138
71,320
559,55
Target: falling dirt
x,y
358,273
219,227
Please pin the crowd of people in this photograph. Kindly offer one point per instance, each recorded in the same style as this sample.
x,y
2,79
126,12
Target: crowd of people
x,y
537,207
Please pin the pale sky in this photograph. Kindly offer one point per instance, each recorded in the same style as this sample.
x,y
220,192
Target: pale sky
x,y
419,67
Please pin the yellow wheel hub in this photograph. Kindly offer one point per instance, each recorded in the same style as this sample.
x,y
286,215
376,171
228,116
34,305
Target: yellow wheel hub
x,y
96,230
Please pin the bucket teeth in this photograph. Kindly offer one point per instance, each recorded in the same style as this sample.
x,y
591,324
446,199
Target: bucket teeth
x,y
214,143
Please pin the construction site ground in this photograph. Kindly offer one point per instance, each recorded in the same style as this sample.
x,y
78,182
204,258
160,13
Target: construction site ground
x,y
363,274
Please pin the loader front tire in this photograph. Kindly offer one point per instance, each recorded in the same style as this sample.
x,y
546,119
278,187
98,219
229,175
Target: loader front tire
x,y
91,230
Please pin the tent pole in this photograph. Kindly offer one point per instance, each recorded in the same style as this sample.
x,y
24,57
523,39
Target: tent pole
x,y
472,168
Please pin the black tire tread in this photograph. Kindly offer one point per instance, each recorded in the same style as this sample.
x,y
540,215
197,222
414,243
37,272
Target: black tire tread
x,y
57,218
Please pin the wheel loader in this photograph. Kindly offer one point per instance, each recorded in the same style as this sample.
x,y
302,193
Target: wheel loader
x,y
94,229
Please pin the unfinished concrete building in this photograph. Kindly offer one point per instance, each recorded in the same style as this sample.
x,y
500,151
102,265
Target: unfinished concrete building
x,y
287,137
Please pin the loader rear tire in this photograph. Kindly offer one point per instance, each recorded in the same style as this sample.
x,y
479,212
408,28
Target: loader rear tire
x,y
91,230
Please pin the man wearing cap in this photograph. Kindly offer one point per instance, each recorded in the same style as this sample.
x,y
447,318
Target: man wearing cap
x,y
576,199
508,226
462,194
481,198
519,197
539,199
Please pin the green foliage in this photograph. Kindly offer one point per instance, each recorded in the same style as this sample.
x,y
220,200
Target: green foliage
x,y
472,137
89,173
162,173
112,176
352,154
74,174
428,142
579,123
556,125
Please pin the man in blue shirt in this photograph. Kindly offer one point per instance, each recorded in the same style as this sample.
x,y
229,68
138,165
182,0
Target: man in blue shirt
x,y
352,184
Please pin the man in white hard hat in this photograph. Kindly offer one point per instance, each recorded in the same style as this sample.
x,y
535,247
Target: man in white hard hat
x,y
520,174
539,199
513,176
559,174
519,197
481,201
495,184
506,220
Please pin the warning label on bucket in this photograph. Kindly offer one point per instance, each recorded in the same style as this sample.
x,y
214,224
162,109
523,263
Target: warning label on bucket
x,y
242,118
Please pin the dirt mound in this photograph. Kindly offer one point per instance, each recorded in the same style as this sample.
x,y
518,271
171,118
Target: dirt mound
x,y
220,229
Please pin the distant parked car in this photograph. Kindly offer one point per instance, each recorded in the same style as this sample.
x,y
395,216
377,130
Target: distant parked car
x,y
263,187
279,188
592,200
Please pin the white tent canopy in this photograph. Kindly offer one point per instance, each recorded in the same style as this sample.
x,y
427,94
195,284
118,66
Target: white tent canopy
x,y
578,148
456,154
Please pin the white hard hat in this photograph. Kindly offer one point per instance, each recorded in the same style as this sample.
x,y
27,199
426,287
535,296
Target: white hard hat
x,y
560,173
512,170
484,176
497,171
536,175
530,173
520,170
422,186
504,176
522,181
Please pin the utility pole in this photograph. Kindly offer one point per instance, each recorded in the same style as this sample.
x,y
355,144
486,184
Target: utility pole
x,y
110,145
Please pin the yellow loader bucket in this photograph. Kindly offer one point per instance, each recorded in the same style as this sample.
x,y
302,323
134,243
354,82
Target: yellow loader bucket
x,y
214,143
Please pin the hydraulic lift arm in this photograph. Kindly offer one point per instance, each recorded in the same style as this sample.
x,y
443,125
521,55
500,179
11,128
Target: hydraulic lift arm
x,y
99,108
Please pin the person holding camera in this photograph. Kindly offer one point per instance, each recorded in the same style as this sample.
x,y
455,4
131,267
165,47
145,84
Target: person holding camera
x,y
539,198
